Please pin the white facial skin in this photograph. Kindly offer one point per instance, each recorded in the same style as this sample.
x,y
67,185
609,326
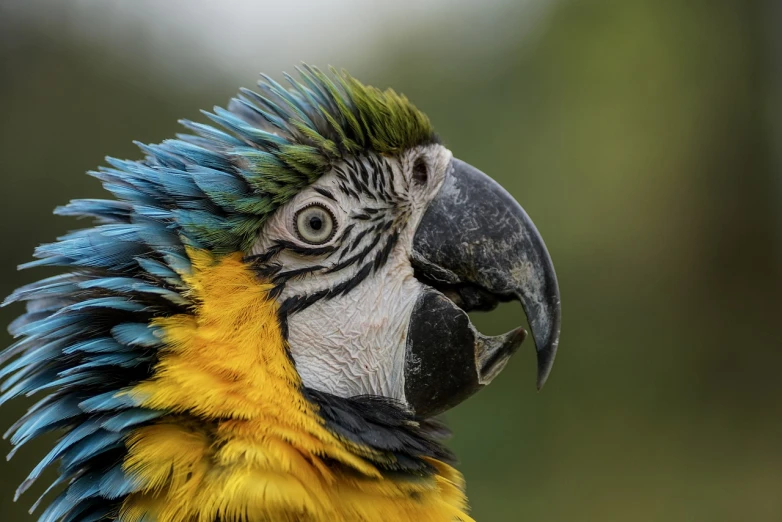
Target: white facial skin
x,y
354,343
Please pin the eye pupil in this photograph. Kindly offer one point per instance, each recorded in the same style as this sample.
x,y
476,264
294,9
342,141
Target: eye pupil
x,y
316,223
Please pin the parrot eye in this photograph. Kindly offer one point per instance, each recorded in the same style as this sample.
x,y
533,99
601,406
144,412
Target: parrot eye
x,y
315,224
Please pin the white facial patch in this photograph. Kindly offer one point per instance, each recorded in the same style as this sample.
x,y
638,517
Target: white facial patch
x,y
350,299
354,344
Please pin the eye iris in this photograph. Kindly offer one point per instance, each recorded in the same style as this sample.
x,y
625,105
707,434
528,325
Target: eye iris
x,y
315,224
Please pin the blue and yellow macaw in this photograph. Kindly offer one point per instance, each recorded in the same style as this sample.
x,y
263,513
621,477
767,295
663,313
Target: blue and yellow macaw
x,y
264,322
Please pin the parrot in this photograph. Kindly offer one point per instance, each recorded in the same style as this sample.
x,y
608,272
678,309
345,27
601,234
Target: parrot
x,y
268,313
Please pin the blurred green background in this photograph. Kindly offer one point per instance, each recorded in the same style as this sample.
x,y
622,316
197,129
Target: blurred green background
x,y
643,138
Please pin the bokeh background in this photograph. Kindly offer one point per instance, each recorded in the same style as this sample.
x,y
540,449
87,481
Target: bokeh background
x,y
644,137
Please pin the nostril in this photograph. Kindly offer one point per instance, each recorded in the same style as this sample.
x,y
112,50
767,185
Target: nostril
x,y
420,171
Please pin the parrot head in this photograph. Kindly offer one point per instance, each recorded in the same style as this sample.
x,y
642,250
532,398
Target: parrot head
x,y
265,321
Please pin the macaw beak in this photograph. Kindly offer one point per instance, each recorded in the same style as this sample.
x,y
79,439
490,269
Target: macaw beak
x,y
475,247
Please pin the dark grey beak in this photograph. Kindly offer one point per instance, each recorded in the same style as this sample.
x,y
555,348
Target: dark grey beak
x,y
475,247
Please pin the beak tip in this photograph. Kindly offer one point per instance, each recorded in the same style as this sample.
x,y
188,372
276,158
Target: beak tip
x,y
546,358
546,330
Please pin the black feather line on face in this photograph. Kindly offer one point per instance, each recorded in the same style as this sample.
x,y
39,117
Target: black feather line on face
x,y
306,251
362,170
354,244
325,193
267,271
298,303
380,179
382,255
283,277
264,257
346,233
337,169
356,258
275,292
365,180
354,178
